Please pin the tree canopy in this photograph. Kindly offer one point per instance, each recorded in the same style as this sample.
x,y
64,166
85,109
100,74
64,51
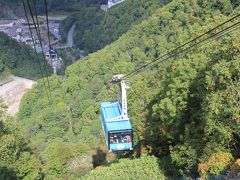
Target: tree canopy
x,y
19,59
142,168
16,159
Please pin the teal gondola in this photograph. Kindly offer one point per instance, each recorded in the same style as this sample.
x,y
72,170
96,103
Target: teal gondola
x,y
115,122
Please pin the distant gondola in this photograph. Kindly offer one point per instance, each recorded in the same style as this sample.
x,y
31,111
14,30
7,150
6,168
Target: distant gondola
x,y
115,122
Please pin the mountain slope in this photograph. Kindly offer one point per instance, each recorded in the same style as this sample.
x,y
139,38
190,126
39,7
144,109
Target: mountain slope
x,y
18,59
95,28
168,104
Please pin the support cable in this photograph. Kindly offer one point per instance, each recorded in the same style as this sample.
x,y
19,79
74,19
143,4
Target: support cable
x,y
48,31
36,16
41,45
37,27
174,50
35,49
203,42
46,11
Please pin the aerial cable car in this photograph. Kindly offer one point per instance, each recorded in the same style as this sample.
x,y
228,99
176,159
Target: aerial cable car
x,y
115,122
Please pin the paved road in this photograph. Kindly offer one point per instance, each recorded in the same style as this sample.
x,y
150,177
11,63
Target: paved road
x,y
70,36
52,18
60,18
12,93
69,39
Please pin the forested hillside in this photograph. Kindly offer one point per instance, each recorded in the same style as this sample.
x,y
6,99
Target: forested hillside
x,y
17,160
184,111
12,8
19,59
9,8
96,28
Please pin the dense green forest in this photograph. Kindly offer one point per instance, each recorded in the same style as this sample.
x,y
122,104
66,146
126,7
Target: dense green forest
x,y
17,159
12,8
67,5
96,28
19,59
185,112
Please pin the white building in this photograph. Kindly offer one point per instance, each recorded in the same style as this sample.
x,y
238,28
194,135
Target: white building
x,y
18,38
110,3
104,7
114,2
7,25
19,30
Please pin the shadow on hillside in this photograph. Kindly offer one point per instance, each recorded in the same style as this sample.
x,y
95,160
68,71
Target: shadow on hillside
x,y
1,126
7,173
99,158
160,136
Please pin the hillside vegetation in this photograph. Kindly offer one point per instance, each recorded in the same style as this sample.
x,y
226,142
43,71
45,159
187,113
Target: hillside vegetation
x,y
184,111
96,28
12,8
143,168
16,158
18,59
